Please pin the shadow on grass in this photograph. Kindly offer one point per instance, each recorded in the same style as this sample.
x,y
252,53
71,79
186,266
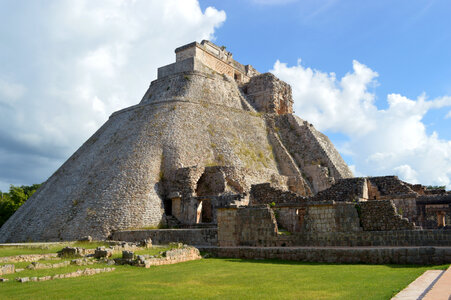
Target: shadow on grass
x,y
292,262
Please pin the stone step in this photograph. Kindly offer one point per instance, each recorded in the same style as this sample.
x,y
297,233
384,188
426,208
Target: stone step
x,y
200,225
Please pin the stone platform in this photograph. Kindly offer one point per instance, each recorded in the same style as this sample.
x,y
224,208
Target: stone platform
x,y
356,255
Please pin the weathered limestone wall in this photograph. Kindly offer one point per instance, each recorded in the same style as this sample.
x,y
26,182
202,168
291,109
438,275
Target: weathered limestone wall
x,y
227,227
257,225
250,226
201,236
290,218
382,255
381,215
269,94
339,217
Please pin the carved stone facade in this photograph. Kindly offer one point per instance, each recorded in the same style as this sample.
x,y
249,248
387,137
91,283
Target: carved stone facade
x,y
195,56
269,94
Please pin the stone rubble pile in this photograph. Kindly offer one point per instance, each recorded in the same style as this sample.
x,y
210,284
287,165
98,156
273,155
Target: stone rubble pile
x,y
75,252
41,266
102,252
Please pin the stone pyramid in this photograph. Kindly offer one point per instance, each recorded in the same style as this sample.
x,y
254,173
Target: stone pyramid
x,y
205,115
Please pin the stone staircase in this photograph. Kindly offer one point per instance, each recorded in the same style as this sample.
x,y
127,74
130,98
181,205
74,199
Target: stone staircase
x,y
172,222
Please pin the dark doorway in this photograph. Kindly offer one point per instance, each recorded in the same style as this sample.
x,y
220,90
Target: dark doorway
x,y
167,203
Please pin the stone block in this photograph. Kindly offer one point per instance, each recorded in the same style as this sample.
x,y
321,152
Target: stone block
x,y
7,269
102,252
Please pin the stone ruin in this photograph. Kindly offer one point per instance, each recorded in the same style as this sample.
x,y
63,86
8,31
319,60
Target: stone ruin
x,y
372,211
214,153
206,130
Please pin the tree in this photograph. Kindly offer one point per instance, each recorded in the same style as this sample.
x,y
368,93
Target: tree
x,y
15,198
436,187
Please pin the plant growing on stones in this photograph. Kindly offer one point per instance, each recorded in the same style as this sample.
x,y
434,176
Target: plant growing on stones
x,y
161,175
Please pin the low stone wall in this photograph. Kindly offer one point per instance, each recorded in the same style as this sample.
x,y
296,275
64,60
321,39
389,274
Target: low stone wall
x,y
28,257
374,238
78,273
173,256
375,255
40,266
197,237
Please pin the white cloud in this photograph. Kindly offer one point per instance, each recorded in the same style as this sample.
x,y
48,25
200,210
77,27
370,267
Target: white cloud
x,y
406,172
448,115
79,61
380,141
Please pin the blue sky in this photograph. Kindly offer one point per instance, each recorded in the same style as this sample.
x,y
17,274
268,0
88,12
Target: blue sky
x,y
373,75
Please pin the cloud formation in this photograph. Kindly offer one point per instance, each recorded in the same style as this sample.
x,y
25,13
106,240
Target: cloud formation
x,y
69,64
380,141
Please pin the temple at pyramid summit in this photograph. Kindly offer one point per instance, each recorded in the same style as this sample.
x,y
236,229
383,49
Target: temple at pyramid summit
x,y
214,154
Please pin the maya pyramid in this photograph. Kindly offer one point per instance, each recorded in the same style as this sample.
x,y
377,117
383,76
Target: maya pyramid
x,y
220,125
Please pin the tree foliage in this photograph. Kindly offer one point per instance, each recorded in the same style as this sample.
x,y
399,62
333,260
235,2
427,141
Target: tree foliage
x,y
436,187
11,201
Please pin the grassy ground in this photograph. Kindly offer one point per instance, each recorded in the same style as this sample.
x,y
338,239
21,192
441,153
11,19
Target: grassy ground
x,y
224,279
41,249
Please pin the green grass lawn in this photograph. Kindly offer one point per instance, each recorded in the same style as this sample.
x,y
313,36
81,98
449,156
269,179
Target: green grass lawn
x,y
225,279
